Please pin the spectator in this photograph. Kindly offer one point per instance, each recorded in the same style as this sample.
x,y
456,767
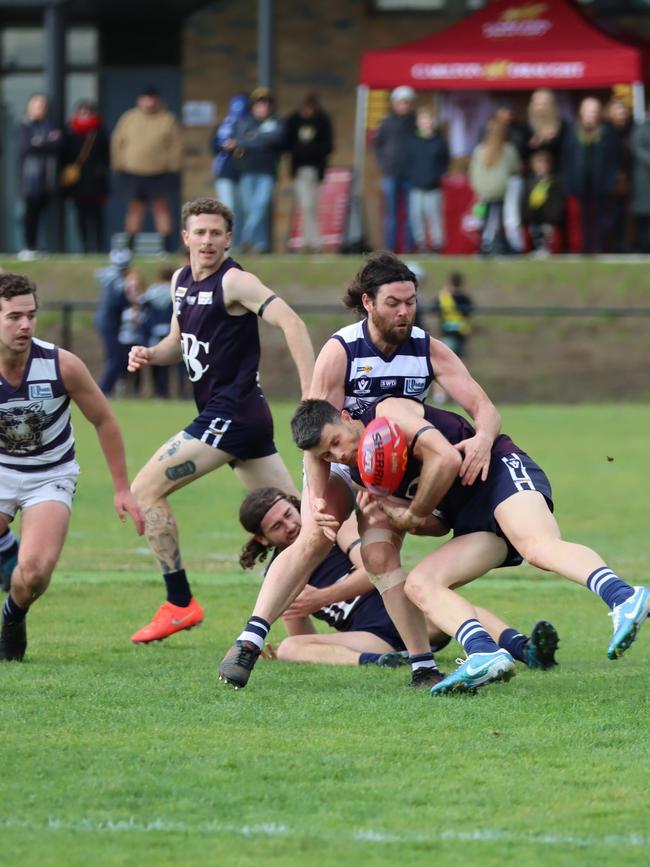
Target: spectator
x,y
454,308
309,142
391,145
146,153
260,136
227,163
591,159
157,313
619,117
543,203
493,162
428,160
641,185
39,148
546,127
132,330
86,145
108,316
517,134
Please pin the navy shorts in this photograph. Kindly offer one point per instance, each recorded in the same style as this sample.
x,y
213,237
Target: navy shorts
x,y
244,438
370,615
147,188
508,475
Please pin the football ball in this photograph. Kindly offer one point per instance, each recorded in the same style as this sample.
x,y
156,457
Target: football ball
x,y
382,456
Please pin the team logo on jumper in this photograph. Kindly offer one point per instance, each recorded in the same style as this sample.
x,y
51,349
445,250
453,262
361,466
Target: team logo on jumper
x,y
181,291
191,349
40,390
205,298
387,383
361,385
191,299
364,368
21,429
414,385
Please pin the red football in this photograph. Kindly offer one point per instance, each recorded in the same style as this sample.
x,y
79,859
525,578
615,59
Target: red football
x,y
382,456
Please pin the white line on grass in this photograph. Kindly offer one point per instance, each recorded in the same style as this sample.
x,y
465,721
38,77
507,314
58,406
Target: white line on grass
x,y
273,829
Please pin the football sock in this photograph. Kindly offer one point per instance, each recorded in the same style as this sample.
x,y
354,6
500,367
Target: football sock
x,y
606,584
13,613
255,631
440,643
515,643
8,544
178,589
422,660
474,638
368,658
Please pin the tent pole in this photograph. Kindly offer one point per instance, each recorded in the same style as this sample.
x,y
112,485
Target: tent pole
x,y
353,240
638,101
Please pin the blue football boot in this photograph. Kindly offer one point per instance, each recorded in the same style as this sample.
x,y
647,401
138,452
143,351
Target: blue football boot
x,y
628,617
477,670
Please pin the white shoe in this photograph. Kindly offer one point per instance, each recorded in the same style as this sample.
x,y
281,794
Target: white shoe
x,y
27,255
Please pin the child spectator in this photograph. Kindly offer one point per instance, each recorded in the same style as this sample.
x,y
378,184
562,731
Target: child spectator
x,y
131,325
543,202
157,313
428,160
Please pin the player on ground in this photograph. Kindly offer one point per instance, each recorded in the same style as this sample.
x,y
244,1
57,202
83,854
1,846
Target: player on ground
x,y
340,593
38,470
380,355
214,329
497,522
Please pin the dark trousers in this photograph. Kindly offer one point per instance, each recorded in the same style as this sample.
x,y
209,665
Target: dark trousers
x,y
642,233
90,220
114,366
34,207
595,219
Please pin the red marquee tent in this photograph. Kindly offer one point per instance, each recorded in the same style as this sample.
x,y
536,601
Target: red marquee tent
x,y
509,45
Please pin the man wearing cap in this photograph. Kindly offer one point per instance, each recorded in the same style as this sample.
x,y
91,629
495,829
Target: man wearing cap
x,y
391,149
259,138
108,316
146,152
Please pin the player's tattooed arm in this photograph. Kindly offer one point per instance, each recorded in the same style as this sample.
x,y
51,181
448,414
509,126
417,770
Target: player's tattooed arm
x,y
180,471
173,446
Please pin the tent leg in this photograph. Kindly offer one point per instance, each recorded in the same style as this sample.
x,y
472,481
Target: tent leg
x,y
638,101
353,241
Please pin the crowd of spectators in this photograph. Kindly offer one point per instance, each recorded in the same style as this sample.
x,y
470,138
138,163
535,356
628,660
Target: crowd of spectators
x,y
537,180
534,179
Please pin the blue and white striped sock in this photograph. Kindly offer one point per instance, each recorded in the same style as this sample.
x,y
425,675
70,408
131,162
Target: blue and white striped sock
x,y
606,584
474,638
12,612
422,660
515,643
8,541
255,631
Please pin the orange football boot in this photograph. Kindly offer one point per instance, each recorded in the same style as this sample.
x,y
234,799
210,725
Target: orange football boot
x,y
168,620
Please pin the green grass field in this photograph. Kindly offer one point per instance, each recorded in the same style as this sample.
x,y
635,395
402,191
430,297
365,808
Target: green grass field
x,y
122,755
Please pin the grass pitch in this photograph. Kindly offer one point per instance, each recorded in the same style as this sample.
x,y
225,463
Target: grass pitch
x,y
122,755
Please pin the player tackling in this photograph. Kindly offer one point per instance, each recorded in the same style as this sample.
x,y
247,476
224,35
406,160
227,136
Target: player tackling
x,y
496,522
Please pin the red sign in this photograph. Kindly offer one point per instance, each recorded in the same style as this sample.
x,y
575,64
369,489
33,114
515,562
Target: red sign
x,y
332,210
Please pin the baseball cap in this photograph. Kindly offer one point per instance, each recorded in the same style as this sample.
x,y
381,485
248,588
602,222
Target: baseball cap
x,y
261,93
403,92
120,257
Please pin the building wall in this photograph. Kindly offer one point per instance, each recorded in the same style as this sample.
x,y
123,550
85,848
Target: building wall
x,y
318,46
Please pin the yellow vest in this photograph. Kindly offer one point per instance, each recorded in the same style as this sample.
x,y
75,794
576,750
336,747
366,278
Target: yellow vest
x,y
450,316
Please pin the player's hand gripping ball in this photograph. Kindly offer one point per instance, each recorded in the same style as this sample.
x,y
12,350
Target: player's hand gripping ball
x,y
382,456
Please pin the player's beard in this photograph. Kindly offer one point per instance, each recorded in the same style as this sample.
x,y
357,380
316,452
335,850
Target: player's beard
x,y
389,333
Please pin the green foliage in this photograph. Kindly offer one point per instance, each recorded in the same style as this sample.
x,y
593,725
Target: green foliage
x,y
124,755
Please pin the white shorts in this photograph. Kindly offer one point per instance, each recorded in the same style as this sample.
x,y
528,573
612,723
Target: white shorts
x,y
22,490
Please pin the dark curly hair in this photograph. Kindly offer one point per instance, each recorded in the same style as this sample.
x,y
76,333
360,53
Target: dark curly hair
x,y
381,267
251,514
195,207
13,285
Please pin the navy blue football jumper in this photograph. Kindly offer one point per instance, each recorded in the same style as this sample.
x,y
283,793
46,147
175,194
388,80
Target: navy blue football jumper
x,y
221,352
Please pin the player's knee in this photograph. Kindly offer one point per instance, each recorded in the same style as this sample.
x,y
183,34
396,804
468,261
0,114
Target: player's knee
x,y
414,587
285,650
534,551
35,573
144,491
